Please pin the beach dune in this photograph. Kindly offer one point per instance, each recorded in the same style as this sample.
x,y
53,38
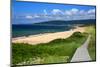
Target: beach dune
x,y
46,37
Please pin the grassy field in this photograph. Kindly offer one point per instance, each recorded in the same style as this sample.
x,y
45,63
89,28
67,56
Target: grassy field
x,y
92,45
56,51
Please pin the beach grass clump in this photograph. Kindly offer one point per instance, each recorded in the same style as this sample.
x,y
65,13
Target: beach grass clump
x,y
56,51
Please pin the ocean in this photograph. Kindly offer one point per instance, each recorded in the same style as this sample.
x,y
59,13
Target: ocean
x,y
19,30
26,30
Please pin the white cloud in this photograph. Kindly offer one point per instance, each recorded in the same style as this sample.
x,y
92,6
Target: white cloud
x,y
56,11
68,12
32,16
82,12
45,12
36,16
29,17
91,11
74,10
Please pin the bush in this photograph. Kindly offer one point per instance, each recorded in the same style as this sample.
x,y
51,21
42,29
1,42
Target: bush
x,y
77,34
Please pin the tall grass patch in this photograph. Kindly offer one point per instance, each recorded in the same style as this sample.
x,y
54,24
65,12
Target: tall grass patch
x,y
56,51
92,44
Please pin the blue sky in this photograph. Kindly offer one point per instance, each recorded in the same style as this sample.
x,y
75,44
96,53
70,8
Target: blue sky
x,y
33,12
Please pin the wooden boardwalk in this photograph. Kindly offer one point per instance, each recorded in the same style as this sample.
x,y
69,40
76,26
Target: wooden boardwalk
x,y
81,53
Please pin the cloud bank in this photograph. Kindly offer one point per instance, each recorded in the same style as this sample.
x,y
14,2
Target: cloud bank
x,y
57,14
74,12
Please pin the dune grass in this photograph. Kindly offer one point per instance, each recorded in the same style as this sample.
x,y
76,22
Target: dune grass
x,y
56,51
92,44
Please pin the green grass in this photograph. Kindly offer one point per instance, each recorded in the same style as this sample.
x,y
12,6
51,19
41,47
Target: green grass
x,y
92,45
56,51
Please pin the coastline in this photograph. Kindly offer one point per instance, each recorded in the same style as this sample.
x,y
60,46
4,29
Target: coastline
x,y
46,37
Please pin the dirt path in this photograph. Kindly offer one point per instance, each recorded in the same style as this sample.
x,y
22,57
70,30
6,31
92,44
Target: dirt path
x,y
81,53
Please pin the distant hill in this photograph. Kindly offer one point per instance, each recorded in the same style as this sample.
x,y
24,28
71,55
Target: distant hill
x,y
60,22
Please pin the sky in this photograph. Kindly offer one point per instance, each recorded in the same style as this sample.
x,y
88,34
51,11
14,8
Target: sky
x,y
34,12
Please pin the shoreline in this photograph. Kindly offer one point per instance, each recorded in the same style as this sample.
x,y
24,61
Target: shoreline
x,y
46,37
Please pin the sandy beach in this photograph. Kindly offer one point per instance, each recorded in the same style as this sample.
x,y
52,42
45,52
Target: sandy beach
x,y
46,37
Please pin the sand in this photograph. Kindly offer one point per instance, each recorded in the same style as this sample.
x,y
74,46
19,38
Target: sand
x,y
46,37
